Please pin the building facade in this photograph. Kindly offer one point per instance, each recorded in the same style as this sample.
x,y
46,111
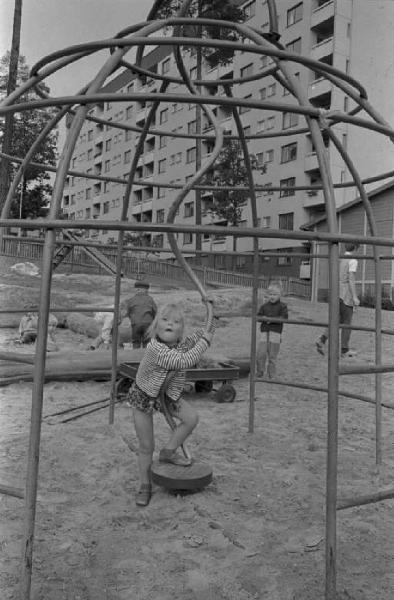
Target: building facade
x,y
352,219
347,34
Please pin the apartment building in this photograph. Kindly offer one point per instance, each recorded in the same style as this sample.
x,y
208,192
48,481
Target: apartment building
x,y
353,36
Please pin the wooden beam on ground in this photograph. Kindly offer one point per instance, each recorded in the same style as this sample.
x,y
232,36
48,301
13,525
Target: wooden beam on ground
x,y
367,499
11,491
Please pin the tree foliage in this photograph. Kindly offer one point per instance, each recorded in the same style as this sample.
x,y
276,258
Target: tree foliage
x,y
36,189
224,10
230,170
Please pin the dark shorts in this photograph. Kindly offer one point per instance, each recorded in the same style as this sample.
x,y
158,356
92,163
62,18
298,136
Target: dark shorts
x,y
147,404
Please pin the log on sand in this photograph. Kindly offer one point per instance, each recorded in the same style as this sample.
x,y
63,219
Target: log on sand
x,y
88,326
62,366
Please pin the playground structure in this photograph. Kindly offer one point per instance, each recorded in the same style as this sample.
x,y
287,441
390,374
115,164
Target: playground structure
x,y
318,122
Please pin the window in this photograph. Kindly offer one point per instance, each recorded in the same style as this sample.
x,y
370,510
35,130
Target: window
x,y
90,135
162,165
128,135
269,156
260,126
286,221
130,88
189,209
247,71
88,194
244,109
165,66
107,166
191,155
264,62
287,183
191,127
266,223
260,158
263,93
285,259
271,89
268,192
270,122
188,238
288,152
160,216
289,120
87,213
294,46
247,130
162,141
90,154
158,241
129,112
294,14
108,145
106,207
164,116
193,73
250,10
161,192
127,157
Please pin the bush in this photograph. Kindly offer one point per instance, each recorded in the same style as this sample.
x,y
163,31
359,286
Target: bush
x,y
369,301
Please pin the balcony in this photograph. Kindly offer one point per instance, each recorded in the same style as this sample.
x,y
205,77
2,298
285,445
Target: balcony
x,y
323,49
141,206
146,158
322,13
319,87
311,162
313,198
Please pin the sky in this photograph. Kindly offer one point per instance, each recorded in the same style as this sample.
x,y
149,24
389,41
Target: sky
x,y
50,25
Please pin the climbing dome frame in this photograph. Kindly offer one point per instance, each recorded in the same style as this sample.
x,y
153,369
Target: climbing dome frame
x,y
319,122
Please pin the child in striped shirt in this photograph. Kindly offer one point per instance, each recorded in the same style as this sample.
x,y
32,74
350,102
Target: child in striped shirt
x,y
166,352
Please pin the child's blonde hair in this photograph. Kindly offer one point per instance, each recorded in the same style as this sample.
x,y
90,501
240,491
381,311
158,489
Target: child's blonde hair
x,y
275,287
172,309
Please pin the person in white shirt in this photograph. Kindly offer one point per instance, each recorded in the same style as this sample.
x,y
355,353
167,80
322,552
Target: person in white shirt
x,y
348,299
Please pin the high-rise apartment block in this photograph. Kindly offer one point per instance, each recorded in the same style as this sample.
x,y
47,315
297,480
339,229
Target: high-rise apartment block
x,y
355,36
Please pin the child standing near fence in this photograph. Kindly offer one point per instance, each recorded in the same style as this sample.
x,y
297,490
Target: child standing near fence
x,y
271,332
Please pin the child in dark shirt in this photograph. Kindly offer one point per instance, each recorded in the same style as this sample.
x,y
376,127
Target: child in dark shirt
x,y
269,343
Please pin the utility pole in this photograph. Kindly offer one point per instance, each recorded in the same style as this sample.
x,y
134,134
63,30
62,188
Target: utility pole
x,y
198,143
5,166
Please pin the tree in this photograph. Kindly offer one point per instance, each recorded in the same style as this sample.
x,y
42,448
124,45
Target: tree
x,y
35,189
224,10
230,170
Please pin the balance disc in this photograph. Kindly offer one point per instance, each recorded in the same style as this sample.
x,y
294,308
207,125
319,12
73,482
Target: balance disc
x,y
173,477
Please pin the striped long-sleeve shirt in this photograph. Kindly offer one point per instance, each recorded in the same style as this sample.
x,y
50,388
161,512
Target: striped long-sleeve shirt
x,y
159,359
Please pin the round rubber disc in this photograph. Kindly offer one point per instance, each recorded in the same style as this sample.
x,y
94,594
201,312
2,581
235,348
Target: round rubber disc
x,y
173,477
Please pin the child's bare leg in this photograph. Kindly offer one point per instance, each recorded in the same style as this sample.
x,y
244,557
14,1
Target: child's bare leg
x,y
273,349
261,358
188,421
143,423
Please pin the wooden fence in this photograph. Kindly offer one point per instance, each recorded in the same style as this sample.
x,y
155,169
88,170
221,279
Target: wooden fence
x,y
137,266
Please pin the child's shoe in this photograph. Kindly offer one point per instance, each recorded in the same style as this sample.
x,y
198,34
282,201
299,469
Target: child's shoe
x,y
170,456
144,495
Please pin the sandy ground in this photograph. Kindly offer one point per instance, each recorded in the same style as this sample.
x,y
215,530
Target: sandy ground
x,y
256,532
